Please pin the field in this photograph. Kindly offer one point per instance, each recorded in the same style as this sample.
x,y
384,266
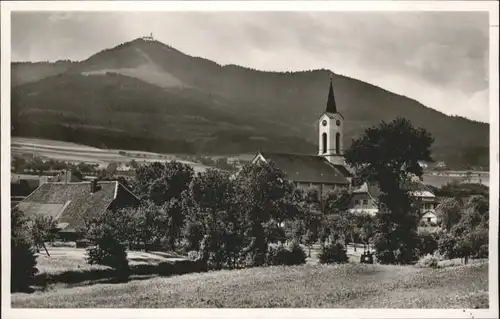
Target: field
x,y
76,153
319,286
71,152
69,259
440,180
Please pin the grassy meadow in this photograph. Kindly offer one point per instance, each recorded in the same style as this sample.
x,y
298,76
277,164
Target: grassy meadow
x,y
320,286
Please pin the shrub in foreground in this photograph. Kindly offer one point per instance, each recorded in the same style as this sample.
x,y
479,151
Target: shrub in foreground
x,y
331,254
276,255
181,267
297,255
280,255
106,234
429,260
109,252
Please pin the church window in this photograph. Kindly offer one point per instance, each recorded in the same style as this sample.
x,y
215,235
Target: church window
x,y
337,143
365,202
324,142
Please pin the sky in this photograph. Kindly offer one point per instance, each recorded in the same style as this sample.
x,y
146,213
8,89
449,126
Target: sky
x,y
437,58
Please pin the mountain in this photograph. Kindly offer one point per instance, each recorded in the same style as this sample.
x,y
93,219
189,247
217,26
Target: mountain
x,y
25,72
147,95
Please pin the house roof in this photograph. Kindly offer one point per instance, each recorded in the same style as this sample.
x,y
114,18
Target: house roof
x,y
307,168
71,203
417,189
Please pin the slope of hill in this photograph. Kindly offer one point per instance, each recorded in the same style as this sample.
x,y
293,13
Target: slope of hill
x,y
149,95
25,72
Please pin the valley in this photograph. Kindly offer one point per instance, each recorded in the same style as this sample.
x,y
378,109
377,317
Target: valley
x,y
76,153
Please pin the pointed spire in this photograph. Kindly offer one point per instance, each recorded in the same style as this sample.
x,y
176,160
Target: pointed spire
x,y
331,106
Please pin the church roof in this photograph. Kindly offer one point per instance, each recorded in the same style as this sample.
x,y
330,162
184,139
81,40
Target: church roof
x,y
308,168
331,106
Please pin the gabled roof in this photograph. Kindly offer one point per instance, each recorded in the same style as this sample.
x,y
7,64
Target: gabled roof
x,y
71,203
306,168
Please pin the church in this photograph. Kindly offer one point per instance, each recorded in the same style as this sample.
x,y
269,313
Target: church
x,y
325,171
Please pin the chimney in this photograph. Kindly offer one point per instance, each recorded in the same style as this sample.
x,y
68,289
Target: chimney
x,y
93,186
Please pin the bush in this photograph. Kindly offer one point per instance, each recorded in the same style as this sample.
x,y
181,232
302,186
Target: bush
x,y
428,260
296,255
108,251
390,251
335,253
280,255
180,267
276,255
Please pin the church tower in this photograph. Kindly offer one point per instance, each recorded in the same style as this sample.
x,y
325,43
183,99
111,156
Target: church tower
x,y
331,125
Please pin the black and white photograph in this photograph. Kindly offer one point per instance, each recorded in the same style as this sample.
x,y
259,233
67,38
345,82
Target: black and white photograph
x,y
267,155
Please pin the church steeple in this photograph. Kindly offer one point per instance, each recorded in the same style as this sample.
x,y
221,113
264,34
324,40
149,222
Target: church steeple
x,y
331,125
331,106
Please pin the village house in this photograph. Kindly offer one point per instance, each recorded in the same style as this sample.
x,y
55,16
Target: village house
x,y
21,185
70,203
364,200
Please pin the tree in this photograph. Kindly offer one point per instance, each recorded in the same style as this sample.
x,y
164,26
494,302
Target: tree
x,y
295,230
133,163
76,173
366,223
149,222
389,156
335,201
18,164
460,191
23,259
469,237
222,163
175,220
449,212
263,196
341,225
108,232
214,216
43,229
337,221
308,218
332,202
160,182
194,234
